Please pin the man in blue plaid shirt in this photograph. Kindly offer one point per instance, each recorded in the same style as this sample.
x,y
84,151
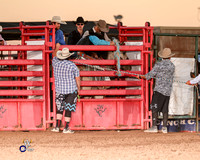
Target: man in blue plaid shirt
x,y
67,86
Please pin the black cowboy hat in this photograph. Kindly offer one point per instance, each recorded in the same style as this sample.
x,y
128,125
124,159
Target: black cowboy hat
x,y
80,20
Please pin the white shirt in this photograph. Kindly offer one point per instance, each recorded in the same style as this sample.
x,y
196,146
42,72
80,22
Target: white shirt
x,y
195,80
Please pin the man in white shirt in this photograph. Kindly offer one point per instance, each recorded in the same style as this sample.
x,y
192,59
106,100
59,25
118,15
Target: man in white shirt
x,y
194,81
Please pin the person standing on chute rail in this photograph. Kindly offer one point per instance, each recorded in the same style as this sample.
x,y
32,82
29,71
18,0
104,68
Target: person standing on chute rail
x,y
163,72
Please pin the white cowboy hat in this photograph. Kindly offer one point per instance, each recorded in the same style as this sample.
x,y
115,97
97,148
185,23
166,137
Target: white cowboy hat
x,y
165,53
64,53
1,29
57,19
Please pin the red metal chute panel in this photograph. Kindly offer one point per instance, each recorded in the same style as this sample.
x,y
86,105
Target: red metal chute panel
x,y
119,103
99,114
8,110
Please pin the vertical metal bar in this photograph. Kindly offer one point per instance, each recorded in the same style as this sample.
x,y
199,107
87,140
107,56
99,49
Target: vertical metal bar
x,y
53,84
119,30
47,77
196,97
147,89
9,67
144,38
151,83
18,68
53,37
144,86
44,88
23,30
142,114
155,47
196,52
82,114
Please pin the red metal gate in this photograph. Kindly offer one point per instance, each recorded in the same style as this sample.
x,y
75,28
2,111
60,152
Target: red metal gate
x,y
19,111
113,111
117,112
25,97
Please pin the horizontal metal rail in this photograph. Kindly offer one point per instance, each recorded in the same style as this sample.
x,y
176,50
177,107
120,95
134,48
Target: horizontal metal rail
x,y
128,28
111,83
38,27
101,48
105,73
176,35
21,92
11,28
21,62
22,48
111,92
21,73
131,35
33,34
108,62
21,100
112,100
20,83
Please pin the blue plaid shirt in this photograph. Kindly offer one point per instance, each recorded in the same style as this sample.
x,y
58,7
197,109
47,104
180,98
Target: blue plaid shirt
x,y
64,73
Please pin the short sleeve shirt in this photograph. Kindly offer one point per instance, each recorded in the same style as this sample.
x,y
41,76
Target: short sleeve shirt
x,y
163,72
64,73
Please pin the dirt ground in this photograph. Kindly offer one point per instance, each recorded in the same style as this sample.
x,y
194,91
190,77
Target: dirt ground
x,y
100,145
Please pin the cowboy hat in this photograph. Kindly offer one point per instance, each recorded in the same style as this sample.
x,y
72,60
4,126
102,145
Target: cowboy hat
x,y
80,20
57,19
103,26
64,54
165,53
1,29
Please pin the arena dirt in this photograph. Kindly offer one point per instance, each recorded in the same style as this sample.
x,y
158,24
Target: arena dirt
x,y
101,145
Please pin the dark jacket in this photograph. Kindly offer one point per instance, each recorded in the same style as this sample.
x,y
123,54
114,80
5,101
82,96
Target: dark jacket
x,y
86,41
74,37
100,36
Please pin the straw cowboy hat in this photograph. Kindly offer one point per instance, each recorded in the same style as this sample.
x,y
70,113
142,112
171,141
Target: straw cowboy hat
x,y
1,29
80,20
103,26
64,53
57,19
165,53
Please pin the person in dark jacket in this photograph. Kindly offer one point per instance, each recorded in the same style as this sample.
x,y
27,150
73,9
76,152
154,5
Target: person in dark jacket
x,y
77,34
97,36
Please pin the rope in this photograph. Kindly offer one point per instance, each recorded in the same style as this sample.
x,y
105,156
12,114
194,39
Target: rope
x,y
118,72
132,74
117,55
